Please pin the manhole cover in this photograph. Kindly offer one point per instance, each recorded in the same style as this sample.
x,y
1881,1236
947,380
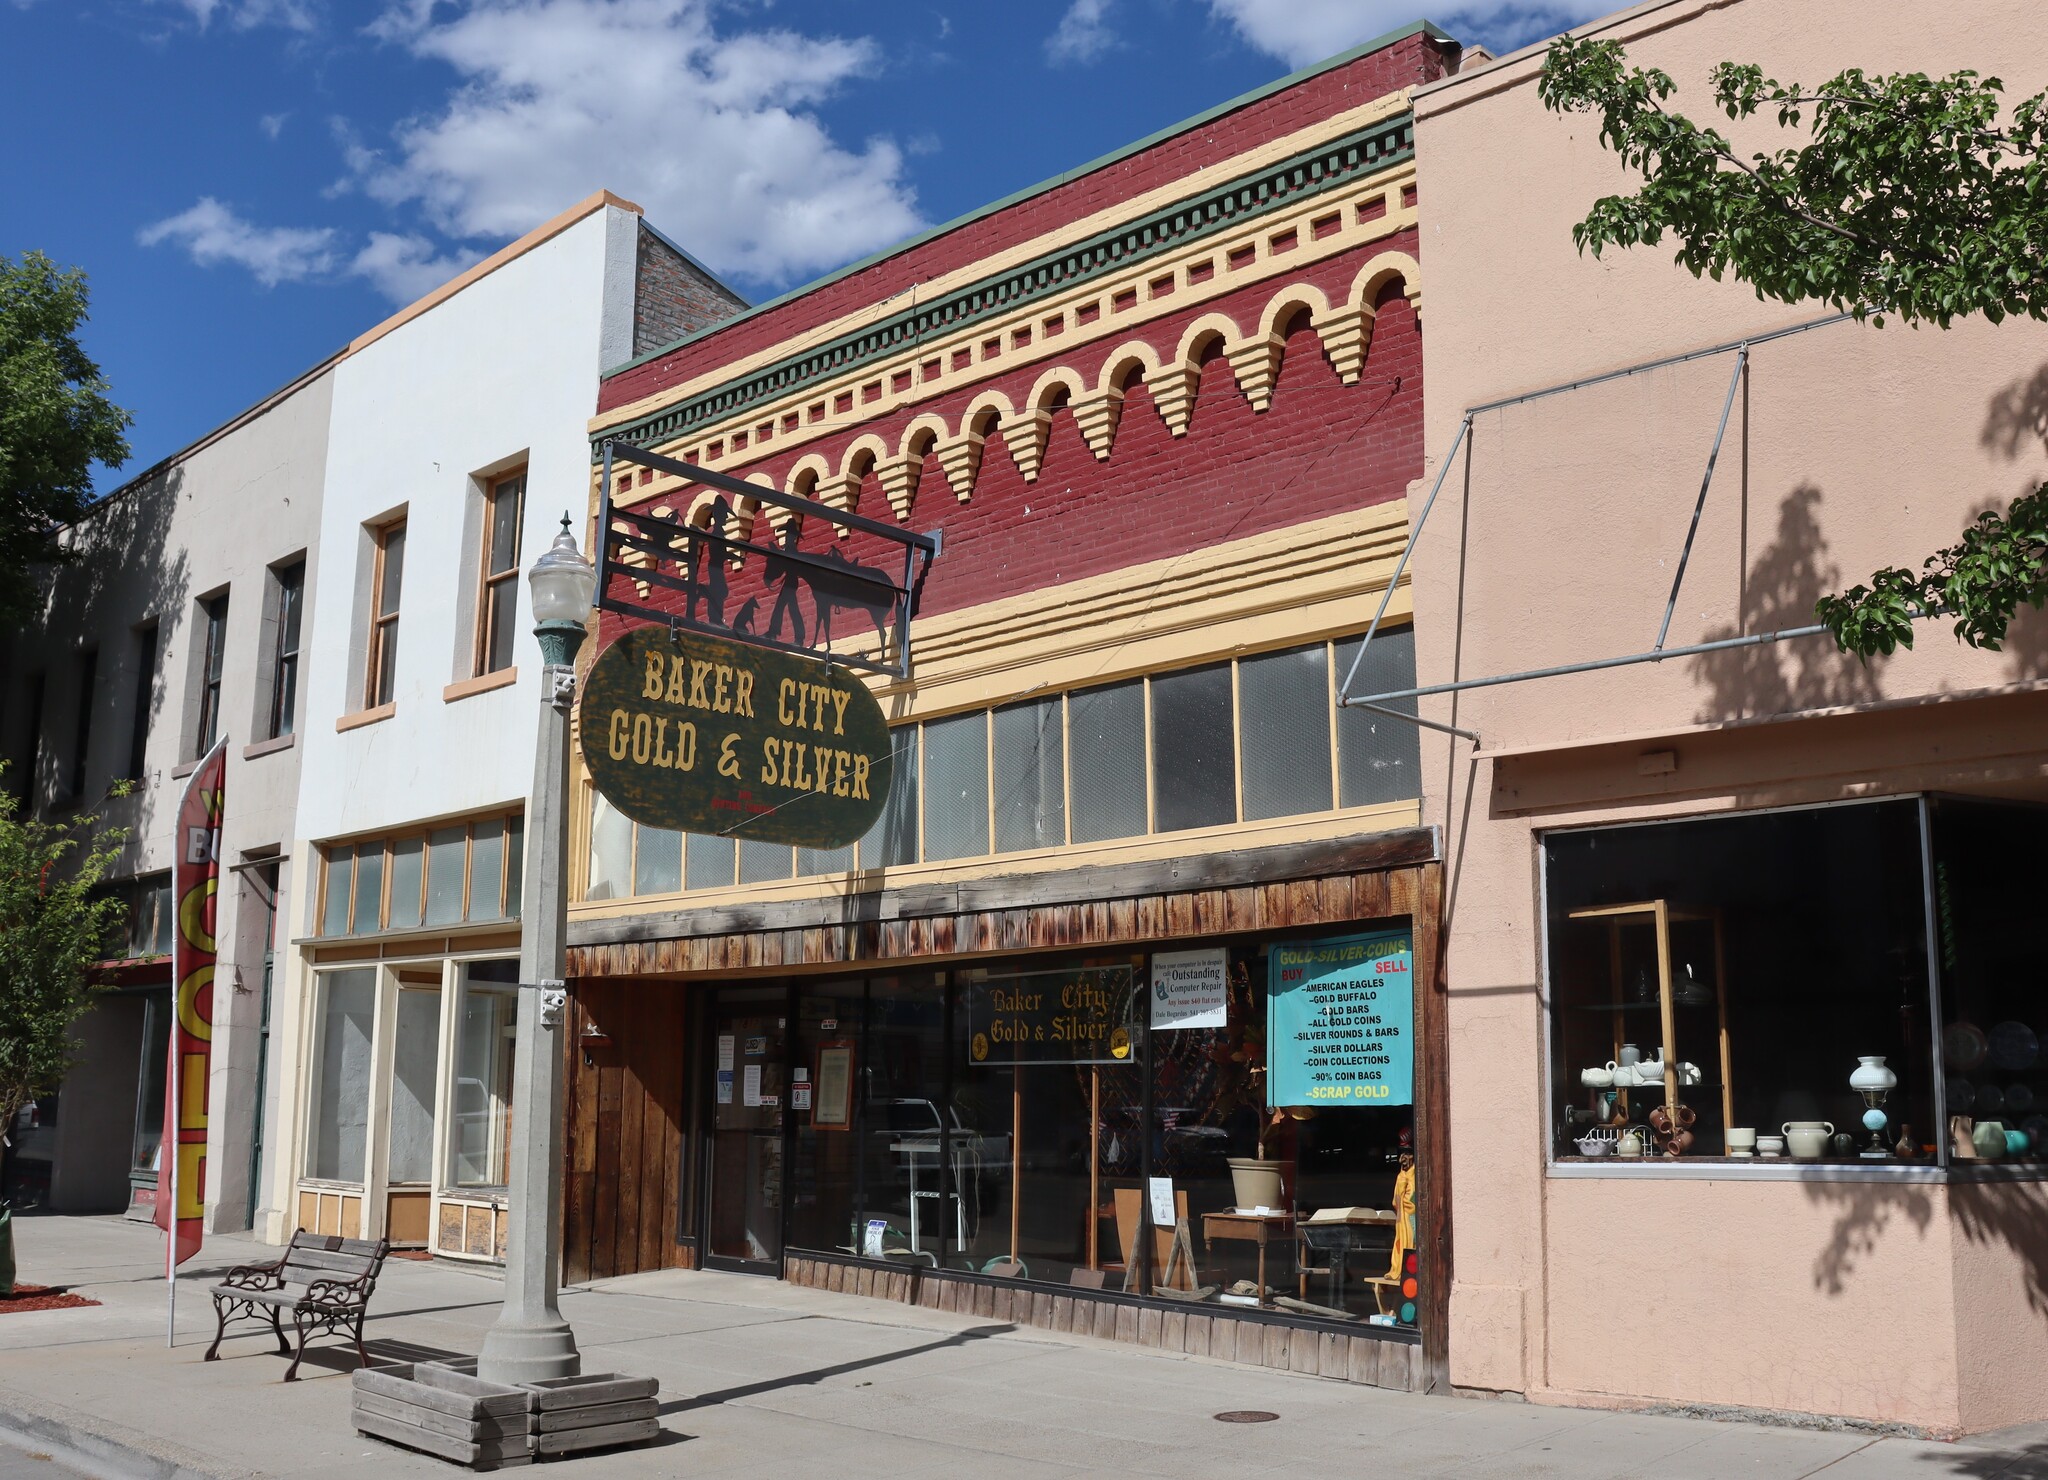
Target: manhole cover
x,y
1246,1415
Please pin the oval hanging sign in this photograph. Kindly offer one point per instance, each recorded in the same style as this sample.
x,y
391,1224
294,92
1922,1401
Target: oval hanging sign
x,y
701,735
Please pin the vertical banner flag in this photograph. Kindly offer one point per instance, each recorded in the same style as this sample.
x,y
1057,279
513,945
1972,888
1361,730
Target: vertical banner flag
x,y
195,884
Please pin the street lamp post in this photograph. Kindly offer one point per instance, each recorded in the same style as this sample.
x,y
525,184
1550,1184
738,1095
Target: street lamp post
x,y
530,1341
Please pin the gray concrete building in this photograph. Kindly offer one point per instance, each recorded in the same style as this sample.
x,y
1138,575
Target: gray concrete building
x,y
183,621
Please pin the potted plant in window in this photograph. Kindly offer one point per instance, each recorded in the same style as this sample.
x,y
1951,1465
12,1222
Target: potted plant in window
x,y
1254,1181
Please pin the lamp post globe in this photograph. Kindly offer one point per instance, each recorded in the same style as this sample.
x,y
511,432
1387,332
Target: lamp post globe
x,y
530,1341
563,583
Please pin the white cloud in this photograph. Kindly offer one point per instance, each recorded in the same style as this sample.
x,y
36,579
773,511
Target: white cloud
x,y
406,267
705,128
272,124
212,234
246,15
1299,32
1083,34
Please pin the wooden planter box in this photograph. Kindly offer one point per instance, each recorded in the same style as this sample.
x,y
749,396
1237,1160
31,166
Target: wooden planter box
x,y
440,1409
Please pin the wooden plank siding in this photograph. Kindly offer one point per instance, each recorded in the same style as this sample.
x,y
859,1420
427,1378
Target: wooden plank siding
x,y
625,1114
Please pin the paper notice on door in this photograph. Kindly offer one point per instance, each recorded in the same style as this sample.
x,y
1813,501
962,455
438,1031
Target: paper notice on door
x,y
725,1086
725,1045
750,1086
800,1095
1162,1202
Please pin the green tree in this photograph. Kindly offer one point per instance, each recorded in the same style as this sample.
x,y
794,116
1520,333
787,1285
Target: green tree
x,y
56,926
55,421
1915,197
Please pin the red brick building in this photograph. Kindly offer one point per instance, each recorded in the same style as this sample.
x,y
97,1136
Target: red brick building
x,y
1163,413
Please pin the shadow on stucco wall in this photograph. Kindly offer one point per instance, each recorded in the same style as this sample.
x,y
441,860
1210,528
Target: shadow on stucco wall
x,y
2005,1218
1782,584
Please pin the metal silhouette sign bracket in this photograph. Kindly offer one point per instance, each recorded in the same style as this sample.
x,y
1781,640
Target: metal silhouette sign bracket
x,y
802,594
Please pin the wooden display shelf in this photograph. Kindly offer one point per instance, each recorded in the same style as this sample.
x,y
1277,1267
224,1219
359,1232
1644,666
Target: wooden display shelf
x,y
1661,914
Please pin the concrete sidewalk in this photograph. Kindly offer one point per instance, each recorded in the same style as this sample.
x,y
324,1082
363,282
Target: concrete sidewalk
x,y
762,1379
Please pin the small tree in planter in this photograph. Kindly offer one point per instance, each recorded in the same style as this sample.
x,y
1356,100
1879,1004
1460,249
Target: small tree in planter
x,y
55,929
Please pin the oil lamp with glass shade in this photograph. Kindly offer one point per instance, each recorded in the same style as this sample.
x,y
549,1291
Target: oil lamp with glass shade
x,y
1874,1080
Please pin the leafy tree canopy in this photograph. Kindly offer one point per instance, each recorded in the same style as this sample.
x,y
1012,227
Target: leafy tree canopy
x,y
1908,195
56,926
55,421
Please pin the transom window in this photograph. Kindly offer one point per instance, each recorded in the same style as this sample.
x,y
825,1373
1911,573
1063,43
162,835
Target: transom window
x,y
1240,741
459,873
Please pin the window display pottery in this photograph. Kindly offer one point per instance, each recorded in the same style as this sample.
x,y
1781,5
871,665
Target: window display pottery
x,y
1989,1139
1961,1144
1841,1143
1741,1140
2017,1143
1808,1138
1255,1183
1631,1055
1596,1078
1630,1144
1963,1046
1962,1095
1872,1075
1770,1146
2013,1046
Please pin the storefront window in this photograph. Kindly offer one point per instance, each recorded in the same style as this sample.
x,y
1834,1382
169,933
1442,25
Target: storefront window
x,y
995,1120
1794,956
1990,876
1285,699
415,1060
339,1101
1107,729
611,851
480,1138
708,862
658,861
1377,757
444,875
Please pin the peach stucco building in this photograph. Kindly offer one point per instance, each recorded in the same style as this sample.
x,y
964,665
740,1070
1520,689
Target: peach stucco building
x,y
1846,854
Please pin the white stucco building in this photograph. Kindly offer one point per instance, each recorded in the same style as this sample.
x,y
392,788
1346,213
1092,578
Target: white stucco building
x,y
457,442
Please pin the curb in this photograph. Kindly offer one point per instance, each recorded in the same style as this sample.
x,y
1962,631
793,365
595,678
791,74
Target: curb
x,y
87,1448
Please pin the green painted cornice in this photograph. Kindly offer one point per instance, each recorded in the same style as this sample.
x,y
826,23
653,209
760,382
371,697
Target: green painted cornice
x,y
1333,163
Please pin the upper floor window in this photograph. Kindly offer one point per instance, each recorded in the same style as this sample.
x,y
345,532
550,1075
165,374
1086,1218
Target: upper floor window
x,y
387,577
214,615
81,730
145,699
287,597
497,615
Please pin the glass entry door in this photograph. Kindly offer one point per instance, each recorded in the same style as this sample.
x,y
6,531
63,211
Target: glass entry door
x,y
749,1030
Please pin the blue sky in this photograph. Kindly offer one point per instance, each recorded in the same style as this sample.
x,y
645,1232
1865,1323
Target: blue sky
x,y
250,183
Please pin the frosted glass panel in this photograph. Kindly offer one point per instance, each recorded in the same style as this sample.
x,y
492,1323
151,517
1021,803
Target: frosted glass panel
x,y
762,862
487,869
369,889
611,851
415,1056
893,838
341,864
1106,728
1379,759
340,1094
1030,784
708,861
444,875
956,786
408,863
1284,721
658,861
1194,763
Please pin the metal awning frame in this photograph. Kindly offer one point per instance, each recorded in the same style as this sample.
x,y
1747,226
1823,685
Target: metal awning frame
x,y
1658,652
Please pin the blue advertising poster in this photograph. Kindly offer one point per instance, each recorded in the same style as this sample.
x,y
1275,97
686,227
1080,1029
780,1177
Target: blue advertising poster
x,y
1340,1020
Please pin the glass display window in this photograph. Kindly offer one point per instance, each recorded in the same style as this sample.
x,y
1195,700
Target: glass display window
x,y
1752,988
479,1133
338,1099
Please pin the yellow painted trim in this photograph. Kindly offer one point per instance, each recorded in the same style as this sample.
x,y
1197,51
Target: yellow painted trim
x,y
545,231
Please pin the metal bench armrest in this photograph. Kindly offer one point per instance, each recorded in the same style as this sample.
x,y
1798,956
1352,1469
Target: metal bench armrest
x,y
255,1276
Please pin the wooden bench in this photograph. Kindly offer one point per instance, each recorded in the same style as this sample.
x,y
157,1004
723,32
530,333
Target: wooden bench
x,y
324,1281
